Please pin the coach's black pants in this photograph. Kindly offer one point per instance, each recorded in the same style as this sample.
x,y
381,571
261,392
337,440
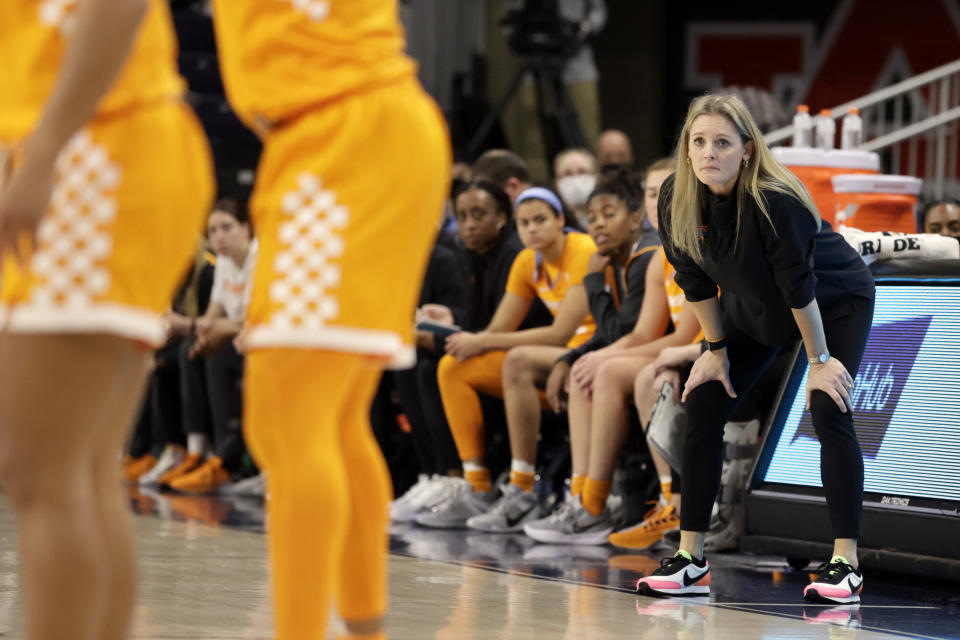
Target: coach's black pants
x,y
419,397
160,418
709,407
212,396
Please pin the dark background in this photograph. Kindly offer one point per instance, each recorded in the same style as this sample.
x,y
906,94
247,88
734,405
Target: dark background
x,y
833,51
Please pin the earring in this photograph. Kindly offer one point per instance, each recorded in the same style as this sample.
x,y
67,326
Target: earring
x,y
499,225
746,162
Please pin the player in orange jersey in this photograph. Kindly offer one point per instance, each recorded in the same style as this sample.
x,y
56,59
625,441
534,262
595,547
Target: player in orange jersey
x,y
96,228
349,192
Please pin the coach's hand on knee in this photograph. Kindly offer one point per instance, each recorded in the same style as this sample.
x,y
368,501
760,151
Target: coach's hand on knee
x,y
711,365
834,380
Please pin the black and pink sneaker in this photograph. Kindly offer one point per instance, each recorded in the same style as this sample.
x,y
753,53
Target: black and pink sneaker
x,y
679,576
838,583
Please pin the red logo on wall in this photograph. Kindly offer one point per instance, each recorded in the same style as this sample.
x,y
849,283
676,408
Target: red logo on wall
x,y
866,45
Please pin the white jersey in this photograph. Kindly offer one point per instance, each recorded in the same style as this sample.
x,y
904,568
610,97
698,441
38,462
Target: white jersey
x,y
232,284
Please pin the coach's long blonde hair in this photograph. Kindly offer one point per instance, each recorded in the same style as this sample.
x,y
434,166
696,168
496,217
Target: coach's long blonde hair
x,y
761,172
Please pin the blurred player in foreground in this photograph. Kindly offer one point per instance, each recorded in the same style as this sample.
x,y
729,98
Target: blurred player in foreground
x,y
109,182
348,196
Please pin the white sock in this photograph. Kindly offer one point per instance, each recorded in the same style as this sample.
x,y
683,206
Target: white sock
x,y
521,466
196,443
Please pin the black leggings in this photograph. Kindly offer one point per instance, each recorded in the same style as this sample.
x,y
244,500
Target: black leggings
x,y
420,400
709,407
212,397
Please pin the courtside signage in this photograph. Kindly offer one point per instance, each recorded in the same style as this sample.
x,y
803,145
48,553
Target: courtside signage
x,y
906,402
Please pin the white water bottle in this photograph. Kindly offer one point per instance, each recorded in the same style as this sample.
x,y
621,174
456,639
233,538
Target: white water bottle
x,y
851,130
802,127
826,130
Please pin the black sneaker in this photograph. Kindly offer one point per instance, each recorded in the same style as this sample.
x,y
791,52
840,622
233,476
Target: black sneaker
x,y
678,576
838,583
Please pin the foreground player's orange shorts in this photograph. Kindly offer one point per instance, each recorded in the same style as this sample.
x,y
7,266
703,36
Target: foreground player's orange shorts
x,y
347,204
131,195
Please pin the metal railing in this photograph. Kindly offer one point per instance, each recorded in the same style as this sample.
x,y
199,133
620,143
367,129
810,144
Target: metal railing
x,y
915,124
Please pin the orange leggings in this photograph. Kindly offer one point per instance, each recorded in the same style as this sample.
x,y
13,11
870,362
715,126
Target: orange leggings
x,y
307,425
459,384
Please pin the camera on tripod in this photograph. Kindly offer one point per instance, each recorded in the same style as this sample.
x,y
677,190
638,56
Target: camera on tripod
x,y
536,28
545,41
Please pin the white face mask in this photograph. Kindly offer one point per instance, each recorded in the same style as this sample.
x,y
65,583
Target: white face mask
x,y
576,189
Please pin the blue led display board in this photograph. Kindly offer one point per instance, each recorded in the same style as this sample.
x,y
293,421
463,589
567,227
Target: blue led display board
x,y
906,401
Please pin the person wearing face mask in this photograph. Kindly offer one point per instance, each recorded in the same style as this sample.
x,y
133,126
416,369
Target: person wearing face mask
x,y
599,385
576,176
733,218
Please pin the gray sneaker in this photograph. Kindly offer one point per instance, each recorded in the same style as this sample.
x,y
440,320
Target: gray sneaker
x,y
254,486
461,504
508,514
570,523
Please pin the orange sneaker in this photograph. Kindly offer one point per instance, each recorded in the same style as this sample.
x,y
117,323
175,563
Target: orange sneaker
x,y
139,466
644,535
190,462
207,510
206,478
644,565
141,503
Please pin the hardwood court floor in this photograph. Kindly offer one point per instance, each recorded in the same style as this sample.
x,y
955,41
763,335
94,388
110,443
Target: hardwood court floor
x,y
204,576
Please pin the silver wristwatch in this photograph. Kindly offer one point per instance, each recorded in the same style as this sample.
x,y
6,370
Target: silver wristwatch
x,y
820,358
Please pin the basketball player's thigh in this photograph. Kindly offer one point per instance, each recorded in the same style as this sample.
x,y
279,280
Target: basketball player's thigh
x,y
347,207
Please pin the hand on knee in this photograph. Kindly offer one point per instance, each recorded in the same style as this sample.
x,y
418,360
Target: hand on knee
x,y
822,404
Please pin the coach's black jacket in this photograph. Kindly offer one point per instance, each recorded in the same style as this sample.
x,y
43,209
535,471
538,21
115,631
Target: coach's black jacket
x,y
770,269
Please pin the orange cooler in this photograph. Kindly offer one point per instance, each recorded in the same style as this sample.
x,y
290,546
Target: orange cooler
x,y
877,203
817,167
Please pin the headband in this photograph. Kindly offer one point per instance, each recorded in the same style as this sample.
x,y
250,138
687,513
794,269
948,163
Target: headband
x,y
539,193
